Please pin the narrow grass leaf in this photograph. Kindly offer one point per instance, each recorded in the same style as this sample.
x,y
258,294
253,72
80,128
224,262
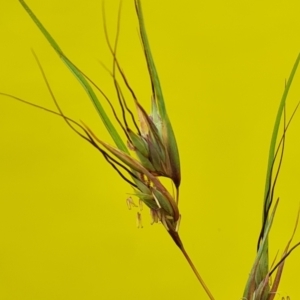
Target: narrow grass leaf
x,y
106,121
158,104
264,264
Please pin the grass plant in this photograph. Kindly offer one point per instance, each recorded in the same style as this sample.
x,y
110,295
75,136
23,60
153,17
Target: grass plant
x,y
145,150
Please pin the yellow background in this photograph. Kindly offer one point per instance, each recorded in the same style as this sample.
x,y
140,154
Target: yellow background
x,y
65,229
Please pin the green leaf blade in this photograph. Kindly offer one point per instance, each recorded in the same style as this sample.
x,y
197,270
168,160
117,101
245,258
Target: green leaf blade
x,y
106,121
159,111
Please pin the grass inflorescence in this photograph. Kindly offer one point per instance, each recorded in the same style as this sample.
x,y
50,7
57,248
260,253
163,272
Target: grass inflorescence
x,y
150,152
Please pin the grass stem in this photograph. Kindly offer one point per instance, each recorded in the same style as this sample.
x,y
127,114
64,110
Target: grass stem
x,y
197,273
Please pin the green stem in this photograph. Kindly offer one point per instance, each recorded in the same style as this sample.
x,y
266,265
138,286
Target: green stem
x,y
211,297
